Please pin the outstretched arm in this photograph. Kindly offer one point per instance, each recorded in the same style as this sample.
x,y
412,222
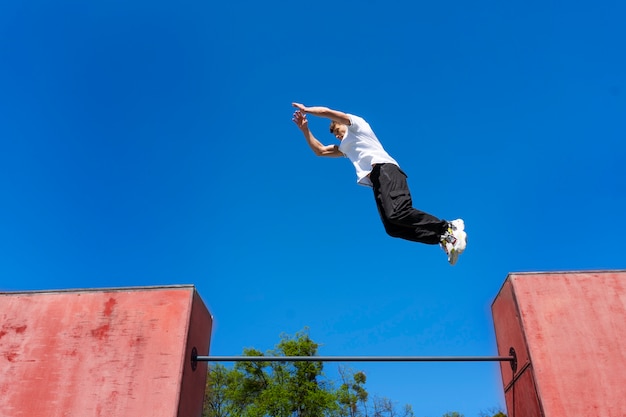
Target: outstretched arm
x,y
318,148
338,116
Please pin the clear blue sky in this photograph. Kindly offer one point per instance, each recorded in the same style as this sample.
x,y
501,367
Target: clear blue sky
x,y
151,143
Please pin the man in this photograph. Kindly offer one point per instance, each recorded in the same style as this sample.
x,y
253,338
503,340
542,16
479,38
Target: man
x,y
376,169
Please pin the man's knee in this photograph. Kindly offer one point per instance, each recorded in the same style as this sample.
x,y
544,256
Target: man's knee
x,y
394,231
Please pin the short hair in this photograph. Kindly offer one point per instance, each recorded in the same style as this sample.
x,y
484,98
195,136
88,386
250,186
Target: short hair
x,y
333,124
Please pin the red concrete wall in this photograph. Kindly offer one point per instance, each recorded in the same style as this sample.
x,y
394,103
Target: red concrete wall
x,y
568,330
112,352
194,380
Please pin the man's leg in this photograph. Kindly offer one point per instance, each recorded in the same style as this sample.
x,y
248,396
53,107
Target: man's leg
x,y
395,207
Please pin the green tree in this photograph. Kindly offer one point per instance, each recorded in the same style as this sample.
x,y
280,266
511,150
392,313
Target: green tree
x,y
408,411
308,394
277,389
351,395
493,412
220,396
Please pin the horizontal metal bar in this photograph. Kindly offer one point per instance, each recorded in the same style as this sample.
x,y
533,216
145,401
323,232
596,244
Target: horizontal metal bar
x,y
354,358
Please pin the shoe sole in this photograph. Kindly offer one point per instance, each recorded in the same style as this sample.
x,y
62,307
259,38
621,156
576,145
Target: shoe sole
x,y
461,242
453,257
458,248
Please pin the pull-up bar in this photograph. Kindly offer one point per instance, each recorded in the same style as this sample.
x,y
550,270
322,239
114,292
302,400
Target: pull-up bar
x,y
512,359
354,358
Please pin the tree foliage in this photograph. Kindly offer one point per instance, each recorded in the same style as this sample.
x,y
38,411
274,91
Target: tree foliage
x,y
277,389
351,395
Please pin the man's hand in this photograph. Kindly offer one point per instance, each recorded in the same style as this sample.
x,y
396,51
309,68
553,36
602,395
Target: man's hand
x,y
300,107
299,118
320,111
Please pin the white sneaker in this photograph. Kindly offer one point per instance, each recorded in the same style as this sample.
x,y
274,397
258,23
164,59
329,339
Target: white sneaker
x,y
457,224
454,240
447,246
458,230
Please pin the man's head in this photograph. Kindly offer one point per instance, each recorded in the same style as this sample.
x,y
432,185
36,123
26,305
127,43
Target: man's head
x,y
338,130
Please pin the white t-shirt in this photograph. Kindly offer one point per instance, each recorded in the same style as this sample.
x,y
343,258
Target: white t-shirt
x,y
363,148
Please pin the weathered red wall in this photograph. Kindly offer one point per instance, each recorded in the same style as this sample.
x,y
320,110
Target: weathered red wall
x,y
568,330
111,352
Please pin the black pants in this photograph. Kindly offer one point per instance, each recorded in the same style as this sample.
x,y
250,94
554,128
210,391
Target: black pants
x,y
395,207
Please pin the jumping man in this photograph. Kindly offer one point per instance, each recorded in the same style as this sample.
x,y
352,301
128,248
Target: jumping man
x,y
376,169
